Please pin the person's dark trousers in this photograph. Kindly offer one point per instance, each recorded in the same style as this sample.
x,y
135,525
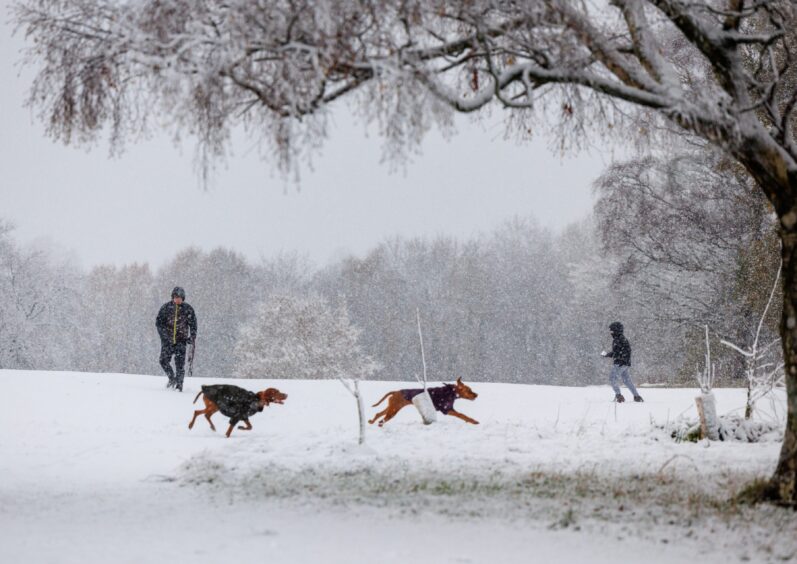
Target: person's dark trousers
x,y
178,351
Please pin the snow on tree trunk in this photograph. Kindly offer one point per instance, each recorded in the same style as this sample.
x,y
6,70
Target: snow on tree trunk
x,y
424,405
710,415
748,407
785,477
353,388
423,402
706,403
360,411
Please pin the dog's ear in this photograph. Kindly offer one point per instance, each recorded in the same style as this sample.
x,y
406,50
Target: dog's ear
x,y
459,380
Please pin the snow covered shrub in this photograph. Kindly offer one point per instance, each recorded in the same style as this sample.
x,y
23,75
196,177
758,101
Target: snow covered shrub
x,y
730,428
304,338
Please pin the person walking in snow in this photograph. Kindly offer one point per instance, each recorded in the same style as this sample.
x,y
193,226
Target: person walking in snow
x,y
176,324
621,353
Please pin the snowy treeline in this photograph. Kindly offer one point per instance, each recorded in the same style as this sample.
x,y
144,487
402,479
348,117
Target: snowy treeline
x,y
520,304
517,305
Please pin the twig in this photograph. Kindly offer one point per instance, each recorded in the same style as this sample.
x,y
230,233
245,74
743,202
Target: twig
x,y
673,457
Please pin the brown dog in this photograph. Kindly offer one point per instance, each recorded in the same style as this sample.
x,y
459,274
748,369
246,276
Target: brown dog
x,y
236,403
442,398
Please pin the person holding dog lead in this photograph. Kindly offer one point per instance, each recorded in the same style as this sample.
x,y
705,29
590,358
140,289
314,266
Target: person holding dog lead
x,y
621,353
176,324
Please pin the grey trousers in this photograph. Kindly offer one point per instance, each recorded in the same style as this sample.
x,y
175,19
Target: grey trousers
x,y
621,372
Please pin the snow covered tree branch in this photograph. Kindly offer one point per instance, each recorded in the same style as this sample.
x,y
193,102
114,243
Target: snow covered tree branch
x,y
762,376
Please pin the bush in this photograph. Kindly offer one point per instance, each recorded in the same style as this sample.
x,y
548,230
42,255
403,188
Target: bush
x,y
731,428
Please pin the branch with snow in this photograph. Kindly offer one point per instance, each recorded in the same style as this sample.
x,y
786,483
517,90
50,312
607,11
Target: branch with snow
x,y
762,376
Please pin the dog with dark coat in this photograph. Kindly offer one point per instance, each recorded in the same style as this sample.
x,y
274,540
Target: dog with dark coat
x,y
236,403
442,398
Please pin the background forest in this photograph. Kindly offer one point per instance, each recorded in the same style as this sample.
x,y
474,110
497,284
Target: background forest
x,y
518,304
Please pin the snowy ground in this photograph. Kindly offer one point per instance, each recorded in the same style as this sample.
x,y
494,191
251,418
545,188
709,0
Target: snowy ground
x,y
102,468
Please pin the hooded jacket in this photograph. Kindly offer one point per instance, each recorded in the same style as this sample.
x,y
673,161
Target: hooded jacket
x,y
176,323
621,349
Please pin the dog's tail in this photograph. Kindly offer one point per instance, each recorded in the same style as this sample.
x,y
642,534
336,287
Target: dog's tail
x,y
383,399
199,394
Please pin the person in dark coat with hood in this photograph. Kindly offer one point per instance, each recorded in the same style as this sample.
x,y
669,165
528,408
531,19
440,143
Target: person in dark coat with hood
x,y
176,324
621,353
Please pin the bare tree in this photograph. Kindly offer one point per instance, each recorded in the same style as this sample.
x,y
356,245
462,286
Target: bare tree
x,y
41,298
296,337
763,373
722,70
119,319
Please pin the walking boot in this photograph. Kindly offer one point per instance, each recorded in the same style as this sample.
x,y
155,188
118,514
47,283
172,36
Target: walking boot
x,y
619,398
638,399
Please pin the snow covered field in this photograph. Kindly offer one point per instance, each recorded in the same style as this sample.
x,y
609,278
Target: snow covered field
x,y
102,468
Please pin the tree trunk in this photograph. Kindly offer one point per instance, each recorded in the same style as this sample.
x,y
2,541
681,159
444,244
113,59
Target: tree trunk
x,y
749,372
784,488
360,411
748,409
710,415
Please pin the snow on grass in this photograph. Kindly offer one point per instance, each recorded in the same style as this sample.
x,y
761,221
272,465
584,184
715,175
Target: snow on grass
x,y
102,467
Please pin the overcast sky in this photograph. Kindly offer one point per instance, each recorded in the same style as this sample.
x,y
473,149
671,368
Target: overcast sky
x,y
147,204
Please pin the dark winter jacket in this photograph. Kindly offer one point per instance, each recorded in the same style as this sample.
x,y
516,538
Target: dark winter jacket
x,y
234,402
621,350
176,323
442,397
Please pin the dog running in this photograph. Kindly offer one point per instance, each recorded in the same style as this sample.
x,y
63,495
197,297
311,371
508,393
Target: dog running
x,y
442,398
236,403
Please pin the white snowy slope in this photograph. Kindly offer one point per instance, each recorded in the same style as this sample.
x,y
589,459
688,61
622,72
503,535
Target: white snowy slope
x,y
98,468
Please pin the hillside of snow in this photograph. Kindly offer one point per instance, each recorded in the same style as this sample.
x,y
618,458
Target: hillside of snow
x,y
103,468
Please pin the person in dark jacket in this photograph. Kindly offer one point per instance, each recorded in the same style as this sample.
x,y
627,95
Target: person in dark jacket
x,y
176,324
621,353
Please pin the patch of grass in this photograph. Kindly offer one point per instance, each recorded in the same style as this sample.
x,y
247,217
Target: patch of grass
x,y
759,491
567,520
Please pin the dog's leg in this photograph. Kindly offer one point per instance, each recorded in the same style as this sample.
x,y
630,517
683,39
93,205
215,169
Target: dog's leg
x,y
197,413
210,409
390,400
208,416
462,416
377,416
248,426
394,405
229,430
